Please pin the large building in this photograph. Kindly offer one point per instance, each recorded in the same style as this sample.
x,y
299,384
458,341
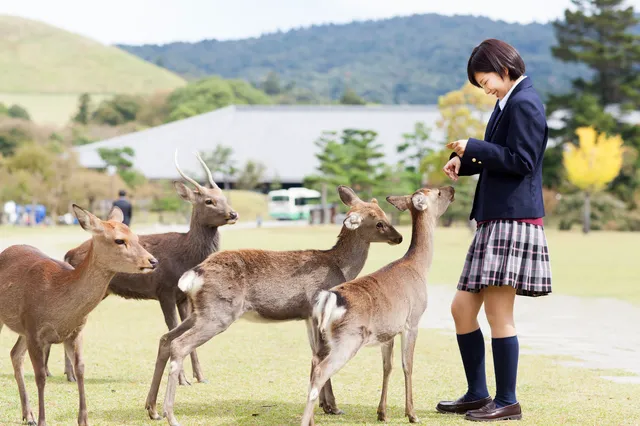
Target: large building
x,y
281,137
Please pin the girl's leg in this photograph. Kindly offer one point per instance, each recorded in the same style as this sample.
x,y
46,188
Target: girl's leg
x,y
498,305
465,308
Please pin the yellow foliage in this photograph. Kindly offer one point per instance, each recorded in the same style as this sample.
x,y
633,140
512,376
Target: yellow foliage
x,y
463,112
595,162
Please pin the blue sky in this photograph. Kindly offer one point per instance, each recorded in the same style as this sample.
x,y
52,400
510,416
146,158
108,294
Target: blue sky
x,y
162,21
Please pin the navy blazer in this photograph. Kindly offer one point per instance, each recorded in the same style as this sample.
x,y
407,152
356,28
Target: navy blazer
x,y
509,159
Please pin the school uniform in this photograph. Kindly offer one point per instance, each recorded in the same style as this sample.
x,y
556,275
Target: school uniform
x,y
509,247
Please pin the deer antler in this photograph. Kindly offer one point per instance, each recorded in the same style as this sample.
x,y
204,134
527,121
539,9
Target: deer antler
x,y
206,169
187,178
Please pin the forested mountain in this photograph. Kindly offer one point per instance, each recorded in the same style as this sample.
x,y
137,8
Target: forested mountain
x,y
399,60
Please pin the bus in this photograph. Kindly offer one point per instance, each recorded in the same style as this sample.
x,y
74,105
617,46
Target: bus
x,y
292,203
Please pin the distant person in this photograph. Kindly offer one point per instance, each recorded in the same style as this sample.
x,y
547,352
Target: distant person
x,y
125,206
509,254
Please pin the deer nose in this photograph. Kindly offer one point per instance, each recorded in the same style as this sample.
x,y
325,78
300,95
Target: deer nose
x,y
154,262
233,215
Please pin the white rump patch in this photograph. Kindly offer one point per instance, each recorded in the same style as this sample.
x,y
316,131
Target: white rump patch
x,y
326,312
313,395
419,201
190,282
353,221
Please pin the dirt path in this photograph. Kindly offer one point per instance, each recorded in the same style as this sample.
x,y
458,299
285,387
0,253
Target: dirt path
x,y
601,333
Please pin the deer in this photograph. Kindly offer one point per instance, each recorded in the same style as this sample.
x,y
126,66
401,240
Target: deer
x,y
266,286
177,253
46,301
373,309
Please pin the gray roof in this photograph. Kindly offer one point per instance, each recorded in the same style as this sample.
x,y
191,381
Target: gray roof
x,y
282,137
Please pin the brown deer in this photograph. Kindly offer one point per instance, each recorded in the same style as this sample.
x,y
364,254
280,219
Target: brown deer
x,y
47,301
177,253
374,308
266,286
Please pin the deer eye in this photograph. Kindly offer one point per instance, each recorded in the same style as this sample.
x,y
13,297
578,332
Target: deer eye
x,y
379,225
439,193
119,242
210,202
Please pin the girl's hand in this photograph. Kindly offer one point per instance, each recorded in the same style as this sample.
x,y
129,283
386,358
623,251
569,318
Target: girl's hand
x,y
452,168
458,146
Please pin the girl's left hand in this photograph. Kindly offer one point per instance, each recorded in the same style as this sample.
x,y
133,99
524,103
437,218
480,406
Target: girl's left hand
x,y
458,146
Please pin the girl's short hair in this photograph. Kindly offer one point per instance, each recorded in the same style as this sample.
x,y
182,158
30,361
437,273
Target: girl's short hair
x,y
494,55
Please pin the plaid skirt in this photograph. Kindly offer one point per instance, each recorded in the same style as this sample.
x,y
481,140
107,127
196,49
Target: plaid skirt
x,y
506,252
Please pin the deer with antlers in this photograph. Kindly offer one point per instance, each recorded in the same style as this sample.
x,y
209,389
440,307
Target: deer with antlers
x,y
47,301
266,286
373,309
177,253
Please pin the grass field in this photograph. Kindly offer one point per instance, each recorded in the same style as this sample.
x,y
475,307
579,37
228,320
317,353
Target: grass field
x,y
258,373
49,108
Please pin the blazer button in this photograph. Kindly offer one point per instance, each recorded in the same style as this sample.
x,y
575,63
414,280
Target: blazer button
x,y
473,159
479,162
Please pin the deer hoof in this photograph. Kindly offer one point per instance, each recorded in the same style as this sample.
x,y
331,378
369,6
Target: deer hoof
x,y
182,380
413,418
332,410
382,417
31,423
203,381
71,378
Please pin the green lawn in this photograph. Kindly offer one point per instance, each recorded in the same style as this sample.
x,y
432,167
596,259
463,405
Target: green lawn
x,y
259,373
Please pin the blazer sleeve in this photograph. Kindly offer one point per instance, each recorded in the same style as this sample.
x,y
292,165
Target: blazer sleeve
x,y
466,169
527,128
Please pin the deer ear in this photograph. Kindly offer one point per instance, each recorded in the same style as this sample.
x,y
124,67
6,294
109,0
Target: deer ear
x,y
116,214
353,221
419,201
184,192
400,202
347,196
374,201
88,221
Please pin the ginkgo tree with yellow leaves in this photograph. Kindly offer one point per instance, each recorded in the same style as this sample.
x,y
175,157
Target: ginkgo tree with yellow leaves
x,y
593,164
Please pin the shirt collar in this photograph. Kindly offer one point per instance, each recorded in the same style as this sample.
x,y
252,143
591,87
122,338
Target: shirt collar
x,y
504,100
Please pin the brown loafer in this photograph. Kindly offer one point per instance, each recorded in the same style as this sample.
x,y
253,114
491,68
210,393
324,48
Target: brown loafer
x,y
460,406
491,413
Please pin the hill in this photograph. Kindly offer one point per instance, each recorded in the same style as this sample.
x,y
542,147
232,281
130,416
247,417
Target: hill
x,y
44,67
410,59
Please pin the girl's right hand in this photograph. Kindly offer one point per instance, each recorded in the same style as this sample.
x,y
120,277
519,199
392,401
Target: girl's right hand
x,y
452,168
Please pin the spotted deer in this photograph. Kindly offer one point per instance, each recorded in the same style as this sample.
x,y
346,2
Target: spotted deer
x,y
373,309
177,253
266,286
46,301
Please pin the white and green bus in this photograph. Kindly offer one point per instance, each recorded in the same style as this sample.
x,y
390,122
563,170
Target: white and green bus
x,y
292,203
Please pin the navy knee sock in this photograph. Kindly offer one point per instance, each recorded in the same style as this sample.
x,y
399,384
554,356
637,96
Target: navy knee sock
x,y
472,351
505,363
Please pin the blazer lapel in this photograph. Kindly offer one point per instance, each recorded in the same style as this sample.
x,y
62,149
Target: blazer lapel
x,y
492,120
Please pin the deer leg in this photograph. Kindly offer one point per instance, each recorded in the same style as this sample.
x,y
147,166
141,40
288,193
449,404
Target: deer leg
x,y
408,345
327,400
202,331
168,305
17,359
337,358
387,365
183,310
164,351
73,351
47,352
36,353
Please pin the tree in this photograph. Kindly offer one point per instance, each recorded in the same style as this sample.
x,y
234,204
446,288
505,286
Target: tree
x,y
271,85
251,175
221,160
350,97
84,105
353,159
117,157
413,149
593,164
17,111
118,110
602,36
